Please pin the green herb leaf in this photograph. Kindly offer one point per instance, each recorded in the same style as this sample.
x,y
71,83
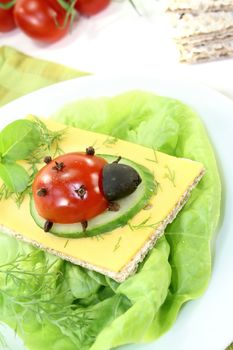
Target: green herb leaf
x,y
18,140
30,141
14,176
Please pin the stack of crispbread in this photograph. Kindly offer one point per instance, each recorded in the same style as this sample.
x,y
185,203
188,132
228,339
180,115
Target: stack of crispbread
x,y
203,28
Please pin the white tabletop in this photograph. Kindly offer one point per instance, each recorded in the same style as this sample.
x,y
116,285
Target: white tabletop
x,y
119,40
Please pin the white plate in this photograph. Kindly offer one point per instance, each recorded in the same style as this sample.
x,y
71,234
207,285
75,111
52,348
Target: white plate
x,y
206,323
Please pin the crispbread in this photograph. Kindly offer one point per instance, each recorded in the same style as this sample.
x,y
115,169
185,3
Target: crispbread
x,y
204,23
206,51
197,6
132,266
205,38
202,29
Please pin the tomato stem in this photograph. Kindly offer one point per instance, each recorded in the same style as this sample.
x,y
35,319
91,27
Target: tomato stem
x,y
8,5
117,160
70,13
65,5
135,7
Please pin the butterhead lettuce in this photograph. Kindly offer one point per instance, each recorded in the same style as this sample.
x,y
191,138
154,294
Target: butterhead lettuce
x,y
53,304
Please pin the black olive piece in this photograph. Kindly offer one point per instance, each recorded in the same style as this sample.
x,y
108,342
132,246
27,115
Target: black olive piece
x,y
113,206
47,226
58,166
47,159
90,151
42,192
119,181
84,225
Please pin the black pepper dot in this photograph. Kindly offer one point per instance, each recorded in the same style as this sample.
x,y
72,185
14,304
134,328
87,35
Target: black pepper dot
x,y
113,206
58,166
42,192
47,159
81,191
90,151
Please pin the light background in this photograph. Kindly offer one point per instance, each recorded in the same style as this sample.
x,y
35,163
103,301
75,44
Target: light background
x,y
118,40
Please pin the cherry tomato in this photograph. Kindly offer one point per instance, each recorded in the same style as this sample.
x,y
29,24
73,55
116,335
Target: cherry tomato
x,y
91,7
69,189
41,19
7,22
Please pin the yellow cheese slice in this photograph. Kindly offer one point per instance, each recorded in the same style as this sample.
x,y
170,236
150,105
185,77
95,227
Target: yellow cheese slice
x,y
117,253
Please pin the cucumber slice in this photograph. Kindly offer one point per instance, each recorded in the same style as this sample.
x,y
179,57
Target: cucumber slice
x,y
109,220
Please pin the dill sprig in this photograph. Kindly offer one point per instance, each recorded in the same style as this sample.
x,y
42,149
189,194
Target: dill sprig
x,y
117,245
5,193
170,175
110,141
99,237
155,159
14,272
49,143
144,224
30,287
157,187
66,243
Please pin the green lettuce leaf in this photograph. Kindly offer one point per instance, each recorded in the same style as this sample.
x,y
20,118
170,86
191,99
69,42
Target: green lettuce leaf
x,y
85,310
81,285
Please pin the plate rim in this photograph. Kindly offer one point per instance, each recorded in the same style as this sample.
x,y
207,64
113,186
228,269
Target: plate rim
x,y
202,88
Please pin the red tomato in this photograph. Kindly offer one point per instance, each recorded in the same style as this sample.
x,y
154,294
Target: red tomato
x,y
41,20
91,7
72,190
7,22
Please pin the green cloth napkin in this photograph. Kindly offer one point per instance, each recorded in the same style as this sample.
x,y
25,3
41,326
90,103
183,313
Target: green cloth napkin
x,y
21,74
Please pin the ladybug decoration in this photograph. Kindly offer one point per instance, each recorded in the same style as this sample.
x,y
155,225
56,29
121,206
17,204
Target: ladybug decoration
x,y
76,187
